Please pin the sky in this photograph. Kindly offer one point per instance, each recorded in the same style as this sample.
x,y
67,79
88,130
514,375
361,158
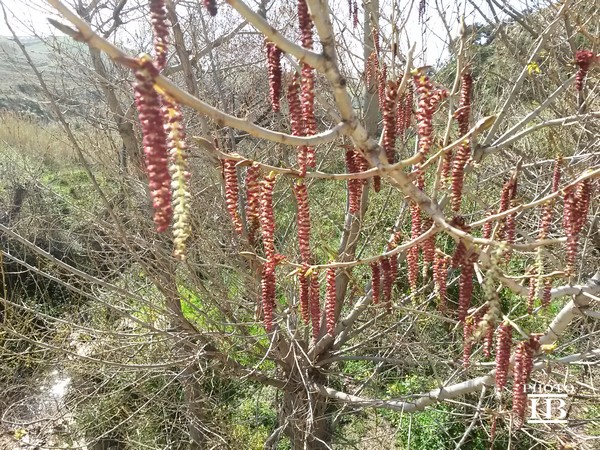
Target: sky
x,y
29,17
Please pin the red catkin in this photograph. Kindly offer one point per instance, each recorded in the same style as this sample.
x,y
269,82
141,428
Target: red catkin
x,y
468,328
297,120
315,305
584,59
156,155
304,286
458,173
268,294
355,14
232,193
503,347
158,18
576,205
354,185
422,10
252,200
521,371
381,82
389,121
330,301
428,245
274,72
303,221
388,283
547,293
428,101
267,216
376,282
488,341
440,276
308,110
465,286
463,113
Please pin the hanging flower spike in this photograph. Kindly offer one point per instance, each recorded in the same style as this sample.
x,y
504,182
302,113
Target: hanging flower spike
x,y
303,220
375,282
440,276
304,284
297,121
267,216
576,205
521,372
180,175
468,327
503,346
330,301
232,193
274,71
463,113
158,18
381,82
355,14
404,112
315,305
584,59
428,245
458,173
156,157
268,293
308,110
211,7
394,241
354,185
252,200
547,293
488,342
389,121
305,24
465,286
388,283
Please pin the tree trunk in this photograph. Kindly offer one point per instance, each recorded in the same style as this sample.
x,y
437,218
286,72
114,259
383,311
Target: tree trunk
x,y
304,420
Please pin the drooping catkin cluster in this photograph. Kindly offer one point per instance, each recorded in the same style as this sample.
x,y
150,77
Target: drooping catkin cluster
x,y
303,221
376,282
158,18
267,225
388,282
232,193
252,201
315,304
355,186
355,14
211,6
428,245
488,342
584,59
440,277
464,259
429,100
330,300
267,284
412,256
305,24
521,371
308,110
576,205
468,327
392,244
156,157
404,112
389,121
381,83
462,116
297,120
304,282
180,175
274,73
503,347
508,194
463,113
